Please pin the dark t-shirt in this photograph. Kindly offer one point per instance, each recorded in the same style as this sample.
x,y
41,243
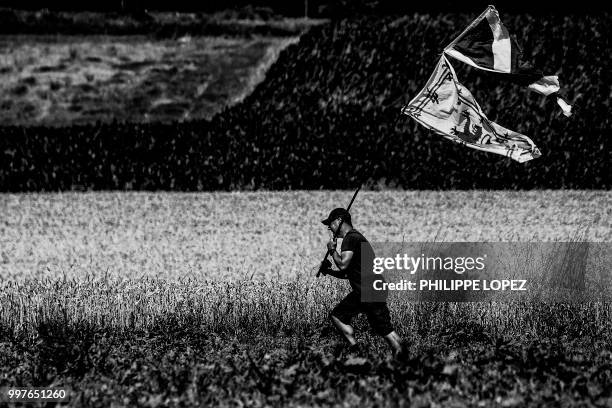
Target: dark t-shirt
x,y
352,241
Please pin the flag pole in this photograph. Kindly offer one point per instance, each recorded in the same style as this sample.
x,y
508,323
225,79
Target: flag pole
x,y
469,27
353,199
339,226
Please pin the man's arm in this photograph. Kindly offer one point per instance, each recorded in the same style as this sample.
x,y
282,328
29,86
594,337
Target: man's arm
x,y
335,274
326,269
343,260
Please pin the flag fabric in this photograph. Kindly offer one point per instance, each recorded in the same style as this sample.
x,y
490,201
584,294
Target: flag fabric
x,y
449,109
487,45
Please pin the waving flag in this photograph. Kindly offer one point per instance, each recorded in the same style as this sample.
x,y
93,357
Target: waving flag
x,y
486,44
449,109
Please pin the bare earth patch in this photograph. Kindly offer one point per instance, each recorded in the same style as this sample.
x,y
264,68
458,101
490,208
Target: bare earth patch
x,y
63,80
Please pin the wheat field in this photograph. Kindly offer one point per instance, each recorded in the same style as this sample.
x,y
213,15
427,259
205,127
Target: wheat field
x,y
127,260
176,299
258,235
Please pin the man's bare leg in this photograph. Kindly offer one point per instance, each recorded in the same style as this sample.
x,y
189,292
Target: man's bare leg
x,y
394,341
345,329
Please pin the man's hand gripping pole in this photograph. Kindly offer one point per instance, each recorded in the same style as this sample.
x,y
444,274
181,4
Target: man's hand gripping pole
x,y
324,265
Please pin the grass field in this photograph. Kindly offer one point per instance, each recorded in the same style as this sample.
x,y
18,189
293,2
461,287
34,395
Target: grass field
x,y
172,299
172,235
66,80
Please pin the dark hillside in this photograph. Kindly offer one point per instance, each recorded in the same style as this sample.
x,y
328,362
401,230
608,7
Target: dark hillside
x,y
324,116
340,89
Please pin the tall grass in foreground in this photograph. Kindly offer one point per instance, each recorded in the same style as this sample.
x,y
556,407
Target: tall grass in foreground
x,y
569,296
296,307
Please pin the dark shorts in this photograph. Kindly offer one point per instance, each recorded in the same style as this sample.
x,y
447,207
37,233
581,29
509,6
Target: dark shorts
x,y
377,313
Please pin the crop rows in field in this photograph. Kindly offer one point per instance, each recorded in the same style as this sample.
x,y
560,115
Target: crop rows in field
x,y
324,116
68,80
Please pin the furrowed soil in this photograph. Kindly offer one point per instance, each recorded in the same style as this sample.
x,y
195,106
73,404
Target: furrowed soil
x,y
60,80
172,299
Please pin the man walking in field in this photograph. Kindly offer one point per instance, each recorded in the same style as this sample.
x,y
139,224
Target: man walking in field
x,y
355,262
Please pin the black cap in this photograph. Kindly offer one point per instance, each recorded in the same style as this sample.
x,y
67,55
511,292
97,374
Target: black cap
x,y
337,213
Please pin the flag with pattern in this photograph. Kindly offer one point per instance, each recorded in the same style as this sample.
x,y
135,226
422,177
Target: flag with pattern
x,y
487,45
449,109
